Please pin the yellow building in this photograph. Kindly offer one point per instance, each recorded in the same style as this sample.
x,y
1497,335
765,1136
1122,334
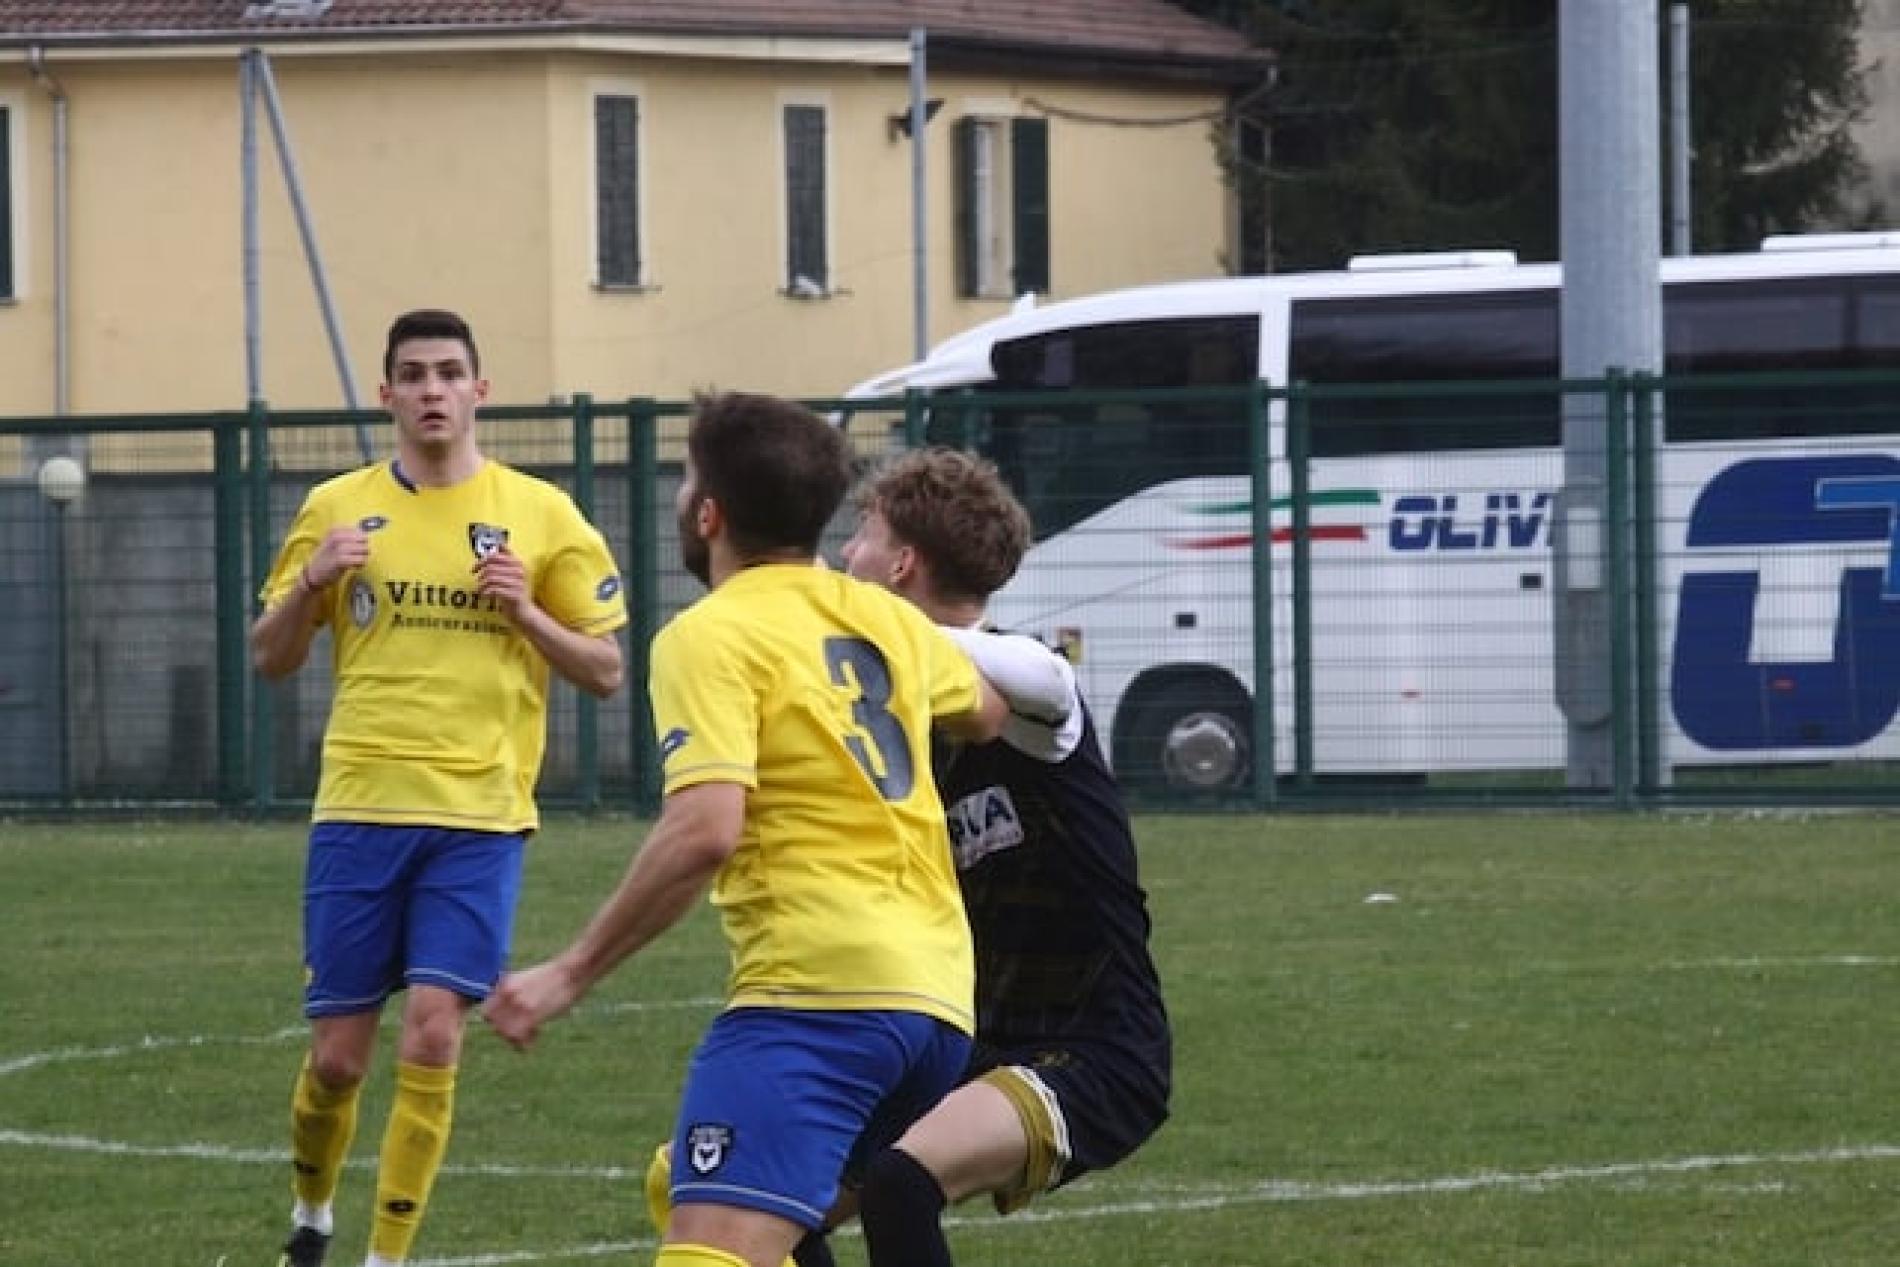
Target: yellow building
x,y
625,197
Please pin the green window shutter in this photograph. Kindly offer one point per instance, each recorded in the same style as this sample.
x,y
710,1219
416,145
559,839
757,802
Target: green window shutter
x,y
6,203
805,199
968,249
1029,182
617,191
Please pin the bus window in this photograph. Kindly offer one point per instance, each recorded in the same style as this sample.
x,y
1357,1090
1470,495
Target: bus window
x,y
1425,339
1068,461
1832,323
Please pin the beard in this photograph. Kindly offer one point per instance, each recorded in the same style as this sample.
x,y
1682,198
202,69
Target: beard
x,y
695,551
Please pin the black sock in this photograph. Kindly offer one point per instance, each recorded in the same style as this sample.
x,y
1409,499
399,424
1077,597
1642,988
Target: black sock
x,y
814,1251
900,1206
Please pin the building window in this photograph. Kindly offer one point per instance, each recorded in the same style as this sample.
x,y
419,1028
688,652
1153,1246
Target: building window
x,y
1002,207
6,203
807,267
617,191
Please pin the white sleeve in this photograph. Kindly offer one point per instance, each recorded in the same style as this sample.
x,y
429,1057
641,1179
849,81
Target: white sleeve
x,y
1045,712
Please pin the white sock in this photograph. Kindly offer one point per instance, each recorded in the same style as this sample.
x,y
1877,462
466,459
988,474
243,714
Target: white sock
x,y
317,1216
377,1260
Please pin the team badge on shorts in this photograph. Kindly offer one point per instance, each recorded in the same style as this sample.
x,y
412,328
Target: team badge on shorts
x,y
707,1146
485,539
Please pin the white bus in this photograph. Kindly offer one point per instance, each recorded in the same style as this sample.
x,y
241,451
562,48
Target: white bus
x,y
1777,614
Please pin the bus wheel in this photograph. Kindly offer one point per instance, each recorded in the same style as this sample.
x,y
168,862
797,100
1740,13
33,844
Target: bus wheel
x,y
1195,738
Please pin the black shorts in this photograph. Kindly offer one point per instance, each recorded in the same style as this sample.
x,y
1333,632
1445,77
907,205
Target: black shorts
x,y
1085,1106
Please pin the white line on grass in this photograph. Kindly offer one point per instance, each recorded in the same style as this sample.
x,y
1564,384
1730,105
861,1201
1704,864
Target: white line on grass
x,y
1278,1191
62,1055
19,1064
1791,961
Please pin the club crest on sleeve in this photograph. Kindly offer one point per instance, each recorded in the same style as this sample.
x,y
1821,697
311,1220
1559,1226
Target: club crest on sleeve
x,y
607,588
372,523
708,1144
485,539
673,741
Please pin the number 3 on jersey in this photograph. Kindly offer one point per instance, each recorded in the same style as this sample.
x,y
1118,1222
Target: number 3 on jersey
x,y
871,675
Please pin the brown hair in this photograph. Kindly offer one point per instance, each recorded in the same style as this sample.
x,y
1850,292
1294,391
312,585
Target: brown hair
x,y
954,509
428,323
778,471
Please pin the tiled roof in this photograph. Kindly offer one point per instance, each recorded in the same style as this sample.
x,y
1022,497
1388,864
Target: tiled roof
x,y
1142,30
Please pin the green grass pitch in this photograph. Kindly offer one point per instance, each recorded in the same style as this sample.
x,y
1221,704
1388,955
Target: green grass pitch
x,y
1563,1040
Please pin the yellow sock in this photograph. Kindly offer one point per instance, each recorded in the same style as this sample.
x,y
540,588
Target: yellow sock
x,y
322,1124
696,1256
413,1145
659,1188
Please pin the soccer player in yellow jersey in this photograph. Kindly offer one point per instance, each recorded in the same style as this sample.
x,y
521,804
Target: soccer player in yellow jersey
x,y
793,706
450,585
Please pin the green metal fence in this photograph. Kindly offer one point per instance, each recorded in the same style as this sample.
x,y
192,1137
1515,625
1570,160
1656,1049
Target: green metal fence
x,y
1443,613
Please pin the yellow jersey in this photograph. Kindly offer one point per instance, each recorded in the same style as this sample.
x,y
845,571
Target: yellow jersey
x,y
816,692
440,711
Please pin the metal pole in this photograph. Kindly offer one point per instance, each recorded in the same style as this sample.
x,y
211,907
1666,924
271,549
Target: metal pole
x,y
919,201
1679,230
62,235
247,151
63,666
587,708
643,424
1611,314
312,255
263,700
1260,467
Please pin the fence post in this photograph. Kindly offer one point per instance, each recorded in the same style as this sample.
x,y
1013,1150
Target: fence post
x,y
642,480
1260,463
1299,446
915,421
587,708
1616,387
1649,765
263,710
227,528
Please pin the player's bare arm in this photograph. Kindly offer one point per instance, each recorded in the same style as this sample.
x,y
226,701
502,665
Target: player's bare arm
x,y
281,637
698,829
591,662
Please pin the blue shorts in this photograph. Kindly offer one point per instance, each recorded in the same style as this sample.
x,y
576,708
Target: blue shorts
x,y
779,1100
387,907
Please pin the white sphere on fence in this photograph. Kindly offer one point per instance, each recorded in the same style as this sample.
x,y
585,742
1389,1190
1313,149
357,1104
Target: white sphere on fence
x,y
62,480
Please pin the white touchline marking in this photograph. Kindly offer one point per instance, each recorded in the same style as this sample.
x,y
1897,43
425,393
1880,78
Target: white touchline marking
x,y
257,1156
1279,1191
19,1064
1791,961
34,1060
278,1156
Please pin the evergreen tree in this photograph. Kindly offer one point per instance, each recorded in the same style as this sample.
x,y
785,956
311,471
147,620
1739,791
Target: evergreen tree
x,y
1401,125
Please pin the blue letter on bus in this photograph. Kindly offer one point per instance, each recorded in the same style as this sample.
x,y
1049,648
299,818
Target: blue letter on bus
x,y
1725,701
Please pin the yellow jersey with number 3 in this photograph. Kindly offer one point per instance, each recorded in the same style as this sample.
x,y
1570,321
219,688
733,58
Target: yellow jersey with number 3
x,y
816,692
440,711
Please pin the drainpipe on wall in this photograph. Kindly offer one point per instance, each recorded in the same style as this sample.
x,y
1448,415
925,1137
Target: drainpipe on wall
x,y
62,349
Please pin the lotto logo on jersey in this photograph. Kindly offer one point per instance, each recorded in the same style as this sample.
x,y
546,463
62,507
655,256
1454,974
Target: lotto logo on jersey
x,y
1768,653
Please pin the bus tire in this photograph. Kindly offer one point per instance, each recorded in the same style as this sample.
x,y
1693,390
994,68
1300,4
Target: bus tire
x,y
1192,736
